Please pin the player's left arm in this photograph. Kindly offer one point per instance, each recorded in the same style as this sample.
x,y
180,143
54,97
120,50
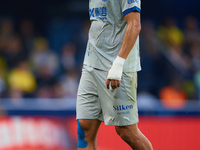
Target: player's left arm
x,y
131,34
130,37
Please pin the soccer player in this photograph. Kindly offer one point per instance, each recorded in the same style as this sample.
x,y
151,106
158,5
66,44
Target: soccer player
x,y
107,89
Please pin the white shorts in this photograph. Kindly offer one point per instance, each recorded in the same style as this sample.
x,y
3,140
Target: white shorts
x,y
115,107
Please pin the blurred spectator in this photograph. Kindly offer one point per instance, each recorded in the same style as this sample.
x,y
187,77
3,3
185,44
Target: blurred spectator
x,y
68,56
27,33
15,94
173,96
6,32
14,52
195,56
44,92
180,61
2,84
43,57
22,79
45,77
3,66
191,31
54,90
45,73
170,33
70,84
197,83
146,100
189,88
58,90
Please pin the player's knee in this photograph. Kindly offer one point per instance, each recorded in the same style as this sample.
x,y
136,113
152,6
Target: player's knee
x,y
81,136
127,135
117,129
83,124
123,132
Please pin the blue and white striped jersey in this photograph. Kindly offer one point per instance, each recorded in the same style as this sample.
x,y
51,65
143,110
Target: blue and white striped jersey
x,y
106,34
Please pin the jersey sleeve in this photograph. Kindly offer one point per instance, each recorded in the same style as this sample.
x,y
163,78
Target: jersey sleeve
x,y
130,6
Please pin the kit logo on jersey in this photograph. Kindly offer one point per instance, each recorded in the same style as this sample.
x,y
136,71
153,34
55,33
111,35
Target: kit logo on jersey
x,y
132,1
100,12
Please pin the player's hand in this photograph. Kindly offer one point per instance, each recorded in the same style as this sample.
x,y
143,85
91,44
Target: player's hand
x,y
115,73
114,83
113,77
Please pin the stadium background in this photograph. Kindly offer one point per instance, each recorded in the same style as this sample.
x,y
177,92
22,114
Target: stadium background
x,y
42,44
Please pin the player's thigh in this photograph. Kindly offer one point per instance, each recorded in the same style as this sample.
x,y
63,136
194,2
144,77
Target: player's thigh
x,y
88,105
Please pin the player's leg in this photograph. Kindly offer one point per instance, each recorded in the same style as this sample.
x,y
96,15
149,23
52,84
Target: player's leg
x,y
133,137
87,132
88,110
